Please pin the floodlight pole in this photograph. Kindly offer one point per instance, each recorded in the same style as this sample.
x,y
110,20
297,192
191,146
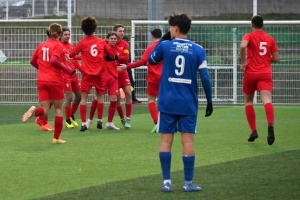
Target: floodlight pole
x,y
70,19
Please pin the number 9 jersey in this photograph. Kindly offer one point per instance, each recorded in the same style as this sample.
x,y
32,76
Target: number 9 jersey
x,y
178,90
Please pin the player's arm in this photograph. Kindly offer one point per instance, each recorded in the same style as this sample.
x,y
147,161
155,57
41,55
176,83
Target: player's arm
x,y
243,48
75,51
275,54
109,52
124,56
54,60
156,55
33,60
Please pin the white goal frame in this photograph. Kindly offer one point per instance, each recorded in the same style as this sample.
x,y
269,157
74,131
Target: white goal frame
x,y
215,68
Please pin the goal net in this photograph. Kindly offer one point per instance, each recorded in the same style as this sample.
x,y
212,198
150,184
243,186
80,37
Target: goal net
x,y
221,40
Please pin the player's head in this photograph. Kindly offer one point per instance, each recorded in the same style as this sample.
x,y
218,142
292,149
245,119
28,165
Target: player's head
x,y
180,24
119,29
65,37
48,32
156,33
89,25
257,22
112,38
55,30
125,37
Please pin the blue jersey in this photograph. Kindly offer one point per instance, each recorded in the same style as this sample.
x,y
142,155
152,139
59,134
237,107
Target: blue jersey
x,y
178,90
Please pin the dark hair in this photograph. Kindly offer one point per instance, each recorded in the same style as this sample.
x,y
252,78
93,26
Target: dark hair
x,y
126,38
48,32
156,33
182,21
65,29
89,25
115,28
55,30
110,34
257,21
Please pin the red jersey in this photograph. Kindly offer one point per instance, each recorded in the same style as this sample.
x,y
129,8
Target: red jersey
x,y
154,71
92,51
111,66
67,49
259,50
43,53
122,48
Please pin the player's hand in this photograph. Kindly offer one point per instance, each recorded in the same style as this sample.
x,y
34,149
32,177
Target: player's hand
x,y
122,67
167,36
209,109
243,67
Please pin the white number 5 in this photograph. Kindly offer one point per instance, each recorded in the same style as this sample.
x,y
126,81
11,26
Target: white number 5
x,y
262,48
179,62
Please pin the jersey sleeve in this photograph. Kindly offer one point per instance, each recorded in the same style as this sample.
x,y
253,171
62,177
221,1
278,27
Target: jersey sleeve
x,y
76,50
108,50
156,55
274,47
246,37
205,77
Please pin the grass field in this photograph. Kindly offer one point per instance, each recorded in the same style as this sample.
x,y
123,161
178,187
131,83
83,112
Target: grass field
x,y
102,164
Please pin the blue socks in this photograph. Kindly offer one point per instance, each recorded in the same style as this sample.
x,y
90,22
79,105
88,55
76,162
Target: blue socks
x,y
188,164
165,162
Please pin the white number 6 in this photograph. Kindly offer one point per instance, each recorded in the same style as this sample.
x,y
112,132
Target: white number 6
x,y
94,52
179,62
263,48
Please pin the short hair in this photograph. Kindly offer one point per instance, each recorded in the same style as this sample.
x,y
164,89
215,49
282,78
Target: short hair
x,y
55,30
257,21
89,25
48,32
156,33
65,29
182,21
110,34
115,28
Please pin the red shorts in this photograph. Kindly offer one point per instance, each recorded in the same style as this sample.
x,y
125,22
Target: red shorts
x,y
257,81
110,84
88,81
123,79
71,83
50,92
152,89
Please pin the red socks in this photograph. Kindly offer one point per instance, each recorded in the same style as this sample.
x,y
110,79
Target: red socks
x,y
74,109
120,111
269,113
111,111
100,107
250,113
93,109
58,125
83,113
39,111
153,111
128,109
68,112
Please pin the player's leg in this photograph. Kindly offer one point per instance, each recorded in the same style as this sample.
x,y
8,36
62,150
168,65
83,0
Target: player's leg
x,y
187,127
265,90
249,87
84,96
167,128
152,91
112,86
68,101
120,109
128,104
77,99
58,122
92,112
100,108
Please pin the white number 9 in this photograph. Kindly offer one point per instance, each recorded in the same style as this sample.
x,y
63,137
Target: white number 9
x,y
94,51
179,62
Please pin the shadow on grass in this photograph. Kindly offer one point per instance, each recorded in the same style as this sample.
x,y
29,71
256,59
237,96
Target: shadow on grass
x,y
274,176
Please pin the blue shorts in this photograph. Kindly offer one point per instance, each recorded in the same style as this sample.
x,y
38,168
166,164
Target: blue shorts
x,y
169,123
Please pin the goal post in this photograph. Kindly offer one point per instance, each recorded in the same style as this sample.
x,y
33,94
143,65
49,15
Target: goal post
x,y
221,41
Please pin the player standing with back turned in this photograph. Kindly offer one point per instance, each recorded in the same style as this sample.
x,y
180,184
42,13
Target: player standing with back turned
x,y
178,96
261,51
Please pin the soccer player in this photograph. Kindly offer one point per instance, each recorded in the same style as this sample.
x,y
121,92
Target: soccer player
x,y
71,82
92,51
153,75
50,80
124,82
261,51
111,85
178,99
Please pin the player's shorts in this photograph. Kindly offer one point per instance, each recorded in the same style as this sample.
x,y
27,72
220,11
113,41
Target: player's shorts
x,y
71,83
123,79
169,123
111,84
50,91
152,89
88,81
257,81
